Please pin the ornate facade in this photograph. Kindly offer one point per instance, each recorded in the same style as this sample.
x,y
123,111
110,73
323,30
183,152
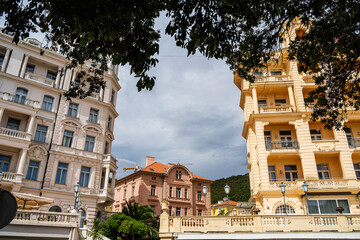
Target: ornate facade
x,y
48,144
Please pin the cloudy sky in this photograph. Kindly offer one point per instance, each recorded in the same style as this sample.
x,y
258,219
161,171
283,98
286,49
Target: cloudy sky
x,y
191,116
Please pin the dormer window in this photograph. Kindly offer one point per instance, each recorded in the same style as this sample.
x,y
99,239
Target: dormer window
x,y
178,174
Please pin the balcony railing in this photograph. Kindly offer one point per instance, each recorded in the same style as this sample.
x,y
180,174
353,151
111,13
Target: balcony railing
x,y
261,223
40,79
332,183
20,100
15,134
11,177
45,218
281,145
354,142
272,78
275,109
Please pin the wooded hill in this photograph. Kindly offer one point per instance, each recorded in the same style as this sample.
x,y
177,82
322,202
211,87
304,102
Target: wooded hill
x,y
239,188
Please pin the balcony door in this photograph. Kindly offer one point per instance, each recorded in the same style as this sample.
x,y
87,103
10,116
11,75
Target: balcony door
x,y
21,95
267,136
349,137
4,163
323,171
286,139
291,173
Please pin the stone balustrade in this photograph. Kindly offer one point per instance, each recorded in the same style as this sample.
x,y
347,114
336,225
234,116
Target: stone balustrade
x,y
11,177
20,100
332,183
275,109
259,223
272,78
36,217
40,79
15,134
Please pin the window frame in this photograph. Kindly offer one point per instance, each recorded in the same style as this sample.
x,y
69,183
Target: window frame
x,y
73,109
61,175
272,173
33,170
178,192
323,171
40,134
357,170
67,138
84,176
199,196
291,172
170,191
153,190
329,199
4,163
94,115
315,134
47,105
89,145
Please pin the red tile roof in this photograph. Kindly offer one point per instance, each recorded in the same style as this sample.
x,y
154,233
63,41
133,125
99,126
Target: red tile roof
x,y
231,203
160,168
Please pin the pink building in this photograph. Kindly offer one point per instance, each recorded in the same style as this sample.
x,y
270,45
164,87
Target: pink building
x,y
155,182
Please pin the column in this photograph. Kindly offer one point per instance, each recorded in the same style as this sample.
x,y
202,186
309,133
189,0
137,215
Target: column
x,y
261,154
58,76
6,60
23,68
106,180
22,161
1,113
291,97
113,182
255,100
101,93
31,124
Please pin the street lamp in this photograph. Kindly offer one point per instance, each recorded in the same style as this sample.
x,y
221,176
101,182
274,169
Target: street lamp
x,y
205,189
227,191
306,188
282,188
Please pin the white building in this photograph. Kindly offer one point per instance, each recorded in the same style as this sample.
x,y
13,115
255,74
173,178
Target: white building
x,y
48,144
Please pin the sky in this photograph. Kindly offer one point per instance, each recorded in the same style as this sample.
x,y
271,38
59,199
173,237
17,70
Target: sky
x,y
192,115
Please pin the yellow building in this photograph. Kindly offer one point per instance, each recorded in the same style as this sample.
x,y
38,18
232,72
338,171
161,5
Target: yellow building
x,y
283,145
222,208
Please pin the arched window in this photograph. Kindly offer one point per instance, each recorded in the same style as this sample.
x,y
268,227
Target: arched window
x,y
285,209
55,209
83,218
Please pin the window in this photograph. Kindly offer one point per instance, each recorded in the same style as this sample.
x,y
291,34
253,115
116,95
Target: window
x,y
291,172
178,174
178,192
106,150
286,139
185,211
170,191
40,135
349,137
89,143
284,209
199,196
124,193
30,68
323,171
47,103
21,95
267,136
84,176
133,191
1,60
4,163
315,134
258,74
55,209
51,75
153,178
61,173
185,193
327,206
112,96
170,211
199,212
178,211
153,190
262,103
73,109
83,217
276,73
109,123
93,117
68,138
272,173
280,102
357,170
13,123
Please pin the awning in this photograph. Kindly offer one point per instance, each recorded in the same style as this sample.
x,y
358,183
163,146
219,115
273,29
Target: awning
x,y
30,201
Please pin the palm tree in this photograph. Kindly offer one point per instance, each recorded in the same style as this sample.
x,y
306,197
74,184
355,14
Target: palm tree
x,y
144,214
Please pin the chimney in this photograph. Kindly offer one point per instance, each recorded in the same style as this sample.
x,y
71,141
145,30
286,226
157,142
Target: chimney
x,y
149,160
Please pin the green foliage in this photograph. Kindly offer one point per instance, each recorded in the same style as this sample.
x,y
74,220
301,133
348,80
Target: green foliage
x,y
242,32
96,230
239,188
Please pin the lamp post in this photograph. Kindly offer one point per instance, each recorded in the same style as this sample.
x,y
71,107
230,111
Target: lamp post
x,y
77,197
227,191
306,188
205,189
282,188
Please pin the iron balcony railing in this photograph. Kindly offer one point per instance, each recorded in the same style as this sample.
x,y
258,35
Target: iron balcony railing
x,y
281,145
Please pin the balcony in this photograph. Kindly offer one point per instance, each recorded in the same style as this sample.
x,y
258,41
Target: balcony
x,y
11,177
281,145
315,185
14,134
106,195
16,99
260,224
45,218
279,78
275,109
40,79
